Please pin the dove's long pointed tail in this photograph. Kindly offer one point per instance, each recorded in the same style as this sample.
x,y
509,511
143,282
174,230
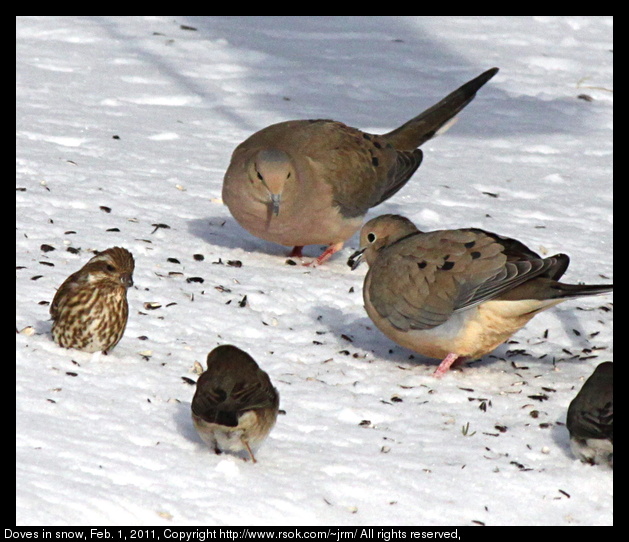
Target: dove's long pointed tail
x,y
580,290
426,125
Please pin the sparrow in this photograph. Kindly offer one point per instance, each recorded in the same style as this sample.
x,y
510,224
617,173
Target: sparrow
x,y
235,406
591,418
90,309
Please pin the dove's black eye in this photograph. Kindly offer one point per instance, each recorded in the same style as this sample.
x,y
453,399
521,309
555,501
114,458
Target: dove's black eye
x,y
371,237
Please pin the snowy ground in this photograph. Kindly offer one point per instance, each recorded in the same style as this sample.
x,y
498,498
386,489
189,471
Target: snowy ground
x,y
128,123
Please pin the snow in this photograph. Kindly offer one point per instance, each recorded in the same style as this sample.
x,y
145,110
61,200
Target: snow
x,y
128,123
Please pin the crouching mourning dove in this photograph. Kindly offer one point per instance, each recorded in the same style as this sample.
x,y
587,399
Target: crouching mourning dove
x,y
455,294
306,182
591,418
235,405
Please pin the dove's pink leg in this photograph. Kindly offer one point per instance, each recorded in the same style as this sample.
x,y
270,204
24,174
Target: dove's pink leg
x,y
326,255
445,365
296,252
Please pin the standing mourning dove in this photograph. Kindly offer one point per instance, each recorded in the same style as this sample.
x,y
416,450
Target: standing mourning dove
x,y
235,405
591,418
454,294
306,182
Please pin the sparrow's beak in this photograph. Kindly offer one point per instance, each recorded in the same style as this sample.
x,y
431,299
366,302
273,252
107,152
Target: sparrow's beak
x,y
355,259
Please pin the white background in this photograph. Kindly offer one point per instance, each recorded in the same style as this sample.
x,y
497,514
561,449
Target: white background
x,y
140,115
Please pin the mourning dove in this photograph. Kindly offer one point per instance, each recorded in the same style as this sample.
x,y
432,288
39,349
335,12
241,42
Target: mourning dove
x,y
235,405
591,418
455,294
306,182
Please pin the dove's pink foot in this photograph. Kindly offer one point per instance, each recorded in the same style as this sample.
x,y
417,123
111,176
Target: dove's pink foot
x,y
447,362
326,255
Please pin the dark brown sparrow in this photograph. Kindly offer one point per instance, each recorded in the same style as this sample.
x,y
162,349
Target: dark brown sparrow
x,y
591,418
235,405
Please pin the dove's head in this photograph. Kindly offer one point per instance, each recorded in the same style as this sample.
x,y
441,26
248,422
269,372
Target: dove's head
x,y
270,170
378,233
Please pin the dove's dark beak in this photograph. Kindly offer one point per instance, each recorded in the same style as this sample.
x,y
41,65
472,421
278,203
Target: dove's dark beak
x,y
275,203
355,259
